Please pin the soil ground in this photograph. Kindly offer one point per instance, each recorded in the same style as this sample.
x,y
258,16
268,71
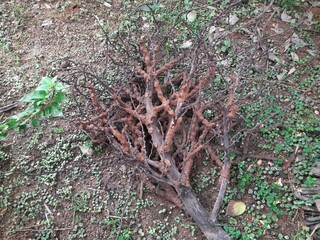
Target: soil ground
x,y
49,188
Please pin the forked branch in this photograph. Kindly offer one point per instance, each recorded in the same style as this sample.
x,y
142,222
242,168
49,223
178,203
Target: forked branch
x,y
160,122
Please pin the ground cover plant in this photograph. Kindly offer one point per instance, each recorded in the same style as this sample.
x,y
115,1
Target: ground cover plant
x,y
57,182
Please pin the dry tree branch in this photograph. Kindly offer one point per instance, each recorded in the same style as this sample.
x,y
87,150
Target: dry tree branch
x,y
146,121
157,114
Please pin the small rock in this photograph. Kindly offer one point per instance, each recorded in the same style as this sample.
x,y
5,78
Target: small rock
x,y
282,75
294,56
277,29
47,22
106,4
272,57
47,6
292,70
36,6
285,17
186,44
65,64
233,19
123,168
191,16
309,17
297,40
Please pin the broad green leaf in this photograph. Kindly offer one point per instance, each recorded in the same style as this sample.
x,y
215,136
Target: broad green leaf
x,y
3,128
30,110
41,114
22,126
36,95
224,49
3,135
235,208
26,98
41,94
47,83
47,111
308,149
12,123
53,110
35,122
56,110
48,80
60,86
36,106
60,97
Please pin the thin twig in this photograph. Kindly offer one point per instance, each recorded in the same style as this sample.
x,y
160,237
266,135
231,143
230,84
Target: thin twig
x,y
8,107
225,169
313,231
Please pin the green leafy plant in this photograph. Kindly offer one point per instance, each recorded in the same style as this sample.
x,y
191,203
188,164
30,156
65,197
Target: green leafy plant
x,y
270,195
150,7
310,181
287,4
245,180
225,46
45,101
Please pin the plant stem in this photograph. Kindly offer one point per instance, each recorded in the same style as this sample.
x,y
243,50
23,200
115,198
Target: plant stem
x,y
224,171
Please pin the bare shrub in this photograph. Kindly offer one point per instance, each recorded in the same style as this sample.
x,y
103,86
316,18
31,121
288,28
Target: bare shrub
x,y
165,107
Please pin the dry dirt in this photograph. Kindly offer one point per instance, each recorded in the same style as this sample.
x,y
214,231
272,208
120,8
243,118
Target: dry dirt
x,y
36,38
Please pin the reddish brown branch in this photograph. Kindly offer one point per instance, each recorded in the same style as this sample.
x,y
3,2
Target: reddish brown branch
x,y
167,66
188,163
162,126
94,99
213,156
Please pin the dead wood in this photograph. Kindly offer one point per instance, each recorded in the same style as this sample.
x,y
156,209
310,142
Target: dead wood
x,y
159,122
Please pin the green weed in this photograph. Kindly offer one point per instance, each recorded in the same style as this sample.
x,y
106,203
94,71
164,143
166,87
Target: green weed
x,y
45,101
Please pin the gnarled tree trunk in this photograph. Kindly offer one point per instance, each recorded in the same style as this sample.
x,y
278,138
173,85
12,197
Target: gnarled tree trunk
x,y
200,215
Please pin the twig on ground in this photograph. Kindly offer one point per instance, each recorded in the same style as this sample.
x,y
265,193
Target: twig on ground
x,y
313,231
8,107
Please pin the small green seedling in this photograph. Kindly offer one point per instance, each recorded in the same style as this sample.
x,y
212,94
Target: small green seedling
x,y
45,101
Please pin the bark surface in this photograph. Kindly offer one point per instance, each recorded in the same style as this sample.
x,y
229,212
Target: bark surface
x,y
200,215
